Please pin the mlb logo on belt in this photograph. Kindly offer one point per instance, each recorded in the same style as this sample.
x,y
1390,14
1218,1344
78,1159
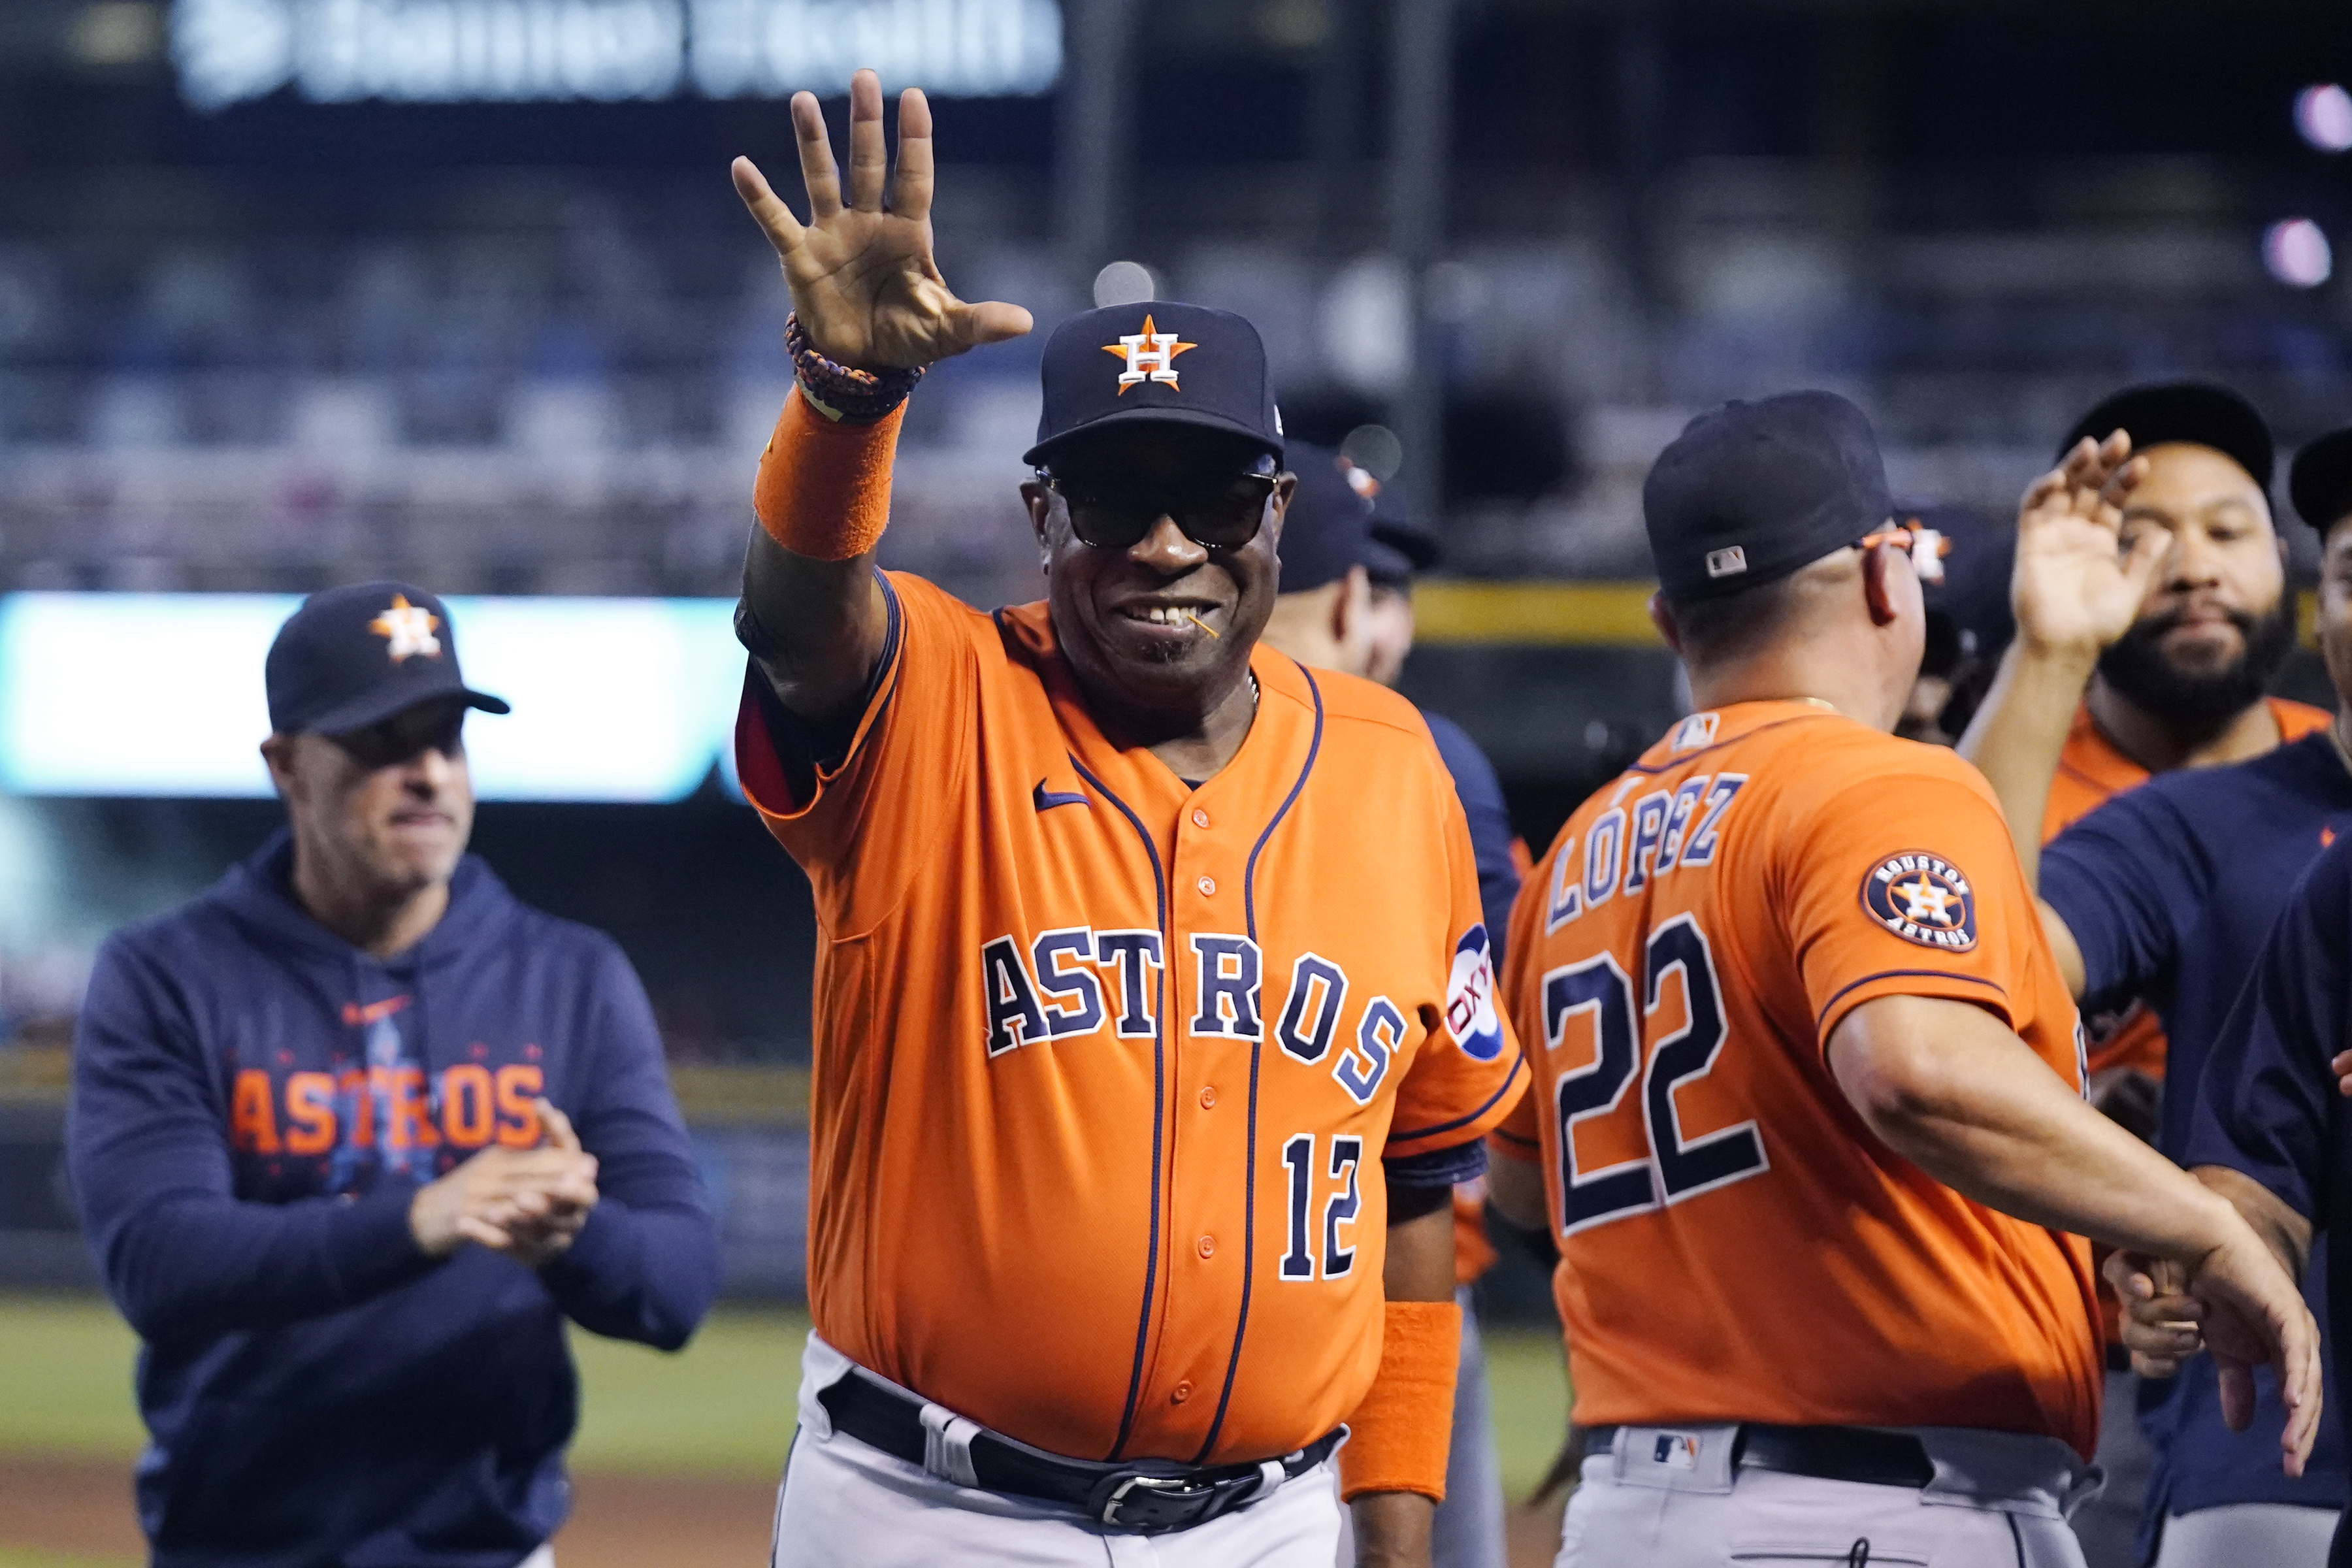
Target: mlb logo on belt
x,y
1922,897
1676,1450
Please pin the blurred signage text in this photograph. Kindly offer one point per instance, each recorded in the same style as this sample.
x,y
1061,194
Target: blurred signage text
x,y
468,52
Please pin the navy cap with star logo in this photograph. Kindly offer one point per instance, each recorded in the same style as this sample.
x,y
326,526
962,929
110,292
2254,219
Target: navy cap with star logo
x,y
354,657
1751,492
1159,362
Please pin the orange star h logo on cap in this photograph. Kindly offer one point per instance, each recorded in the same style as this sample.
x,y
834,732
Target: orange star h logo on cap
x,y
407,629
1150,355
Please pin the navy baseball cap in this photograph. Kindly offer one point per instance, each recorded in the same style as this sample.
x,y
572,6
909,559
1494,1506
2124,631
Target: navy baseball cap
x,y
1326,532
354,656
2193,411
1158,363
1971,600
2320,481
1399,535
1750,493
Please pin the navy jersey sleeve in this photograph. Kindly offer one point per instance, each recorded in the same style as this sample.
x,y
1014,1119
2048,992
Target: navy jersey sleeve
x,y
1490,824
646,1264
2125,880
2269,1098
180,1254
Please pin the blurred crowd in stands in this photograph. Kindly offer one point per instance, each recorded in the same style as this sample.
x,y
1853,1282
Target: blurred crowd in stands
x,y
557,381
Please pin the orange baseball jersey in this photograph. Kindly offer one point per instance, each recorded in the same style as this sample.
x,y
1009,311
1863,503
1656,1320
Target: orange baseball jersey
x,y
2091,771
1735,1244
1106,1064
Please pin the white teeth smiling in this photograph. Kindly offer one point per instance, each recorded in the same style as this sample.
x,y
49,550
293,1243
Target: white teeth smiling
x,y
1163,615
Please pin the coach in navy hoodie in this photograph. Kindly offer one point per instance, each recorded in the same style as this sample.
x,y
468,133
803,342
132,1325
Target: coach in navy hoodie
x,y
316,1143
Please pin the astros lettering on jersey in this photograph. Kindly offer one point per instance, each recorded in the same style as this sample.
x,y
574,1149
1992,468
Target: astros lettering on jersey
x,y
1105,1065
1736,1244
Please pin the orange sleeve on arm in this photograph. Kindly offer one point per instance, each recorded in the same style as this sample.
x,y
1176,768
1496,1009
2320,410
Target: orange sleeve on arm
x,y
1399,1437
824,490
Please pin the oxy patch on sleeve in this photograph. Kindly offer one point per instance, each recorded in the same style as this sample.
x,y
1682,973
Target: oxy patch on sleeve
x,y
1470,1015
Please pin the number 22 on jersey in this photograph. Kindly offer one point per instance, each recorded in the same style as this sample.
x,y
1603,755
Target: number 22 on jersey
x,y
1669,1045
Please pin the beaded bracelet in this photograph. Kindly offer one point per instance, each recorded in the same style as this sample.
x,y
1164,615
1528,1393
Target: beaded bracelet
x,y
838,392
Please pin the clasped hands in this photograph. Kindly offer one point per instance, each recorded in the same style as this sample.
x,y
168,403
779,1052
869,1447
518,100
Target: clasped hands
x,y
529,1204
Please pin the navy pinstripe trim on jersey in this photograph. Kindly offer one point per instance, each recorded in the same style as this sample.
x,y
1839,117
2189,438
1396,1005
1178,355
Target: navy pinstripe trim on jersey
x,y
1314,748
1993,985
1681,757
1158,1103
1510,1079
1249,1175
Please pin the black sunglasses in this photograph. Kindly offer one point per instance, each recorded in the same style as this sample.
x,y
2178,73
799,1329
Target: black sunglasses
x,y
1219,513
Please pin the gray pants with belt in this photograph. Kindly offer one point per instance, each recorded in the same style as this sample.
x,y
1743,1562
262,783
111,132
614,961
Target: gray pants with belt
x,y
1671,1498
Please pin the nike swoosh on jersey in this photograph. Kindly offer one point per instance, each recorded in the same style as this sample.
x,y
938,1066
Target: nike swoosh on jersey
x,y
1047,800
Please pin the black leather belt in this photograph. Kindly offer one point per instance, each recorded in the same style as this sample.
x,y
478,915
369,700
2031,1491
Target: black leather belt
x,y
1825,1453
1148,1497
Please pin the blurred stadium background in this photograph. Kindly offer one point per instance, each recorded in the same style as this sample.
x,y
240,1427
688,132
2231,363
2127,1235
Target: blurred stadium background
x,y
295,292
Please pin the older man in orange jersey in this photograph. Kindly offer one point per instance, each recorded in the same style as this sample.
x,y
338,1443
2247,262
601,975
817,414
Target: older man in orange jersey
x,y
1807,1092
1154,1011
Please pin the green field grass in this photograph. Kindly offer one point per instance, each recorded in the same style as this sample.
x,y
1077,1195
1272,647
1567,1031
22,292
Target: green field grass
x,y
722,1406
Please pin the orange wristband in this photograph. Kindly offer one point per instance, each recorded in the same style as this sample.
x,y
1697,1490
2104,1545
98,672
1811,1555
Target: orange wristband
x,y
1398,1438
824,490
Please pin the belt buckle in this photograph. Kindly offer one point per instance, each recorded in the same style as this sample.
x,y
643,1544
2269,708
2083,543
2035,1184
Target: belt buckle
x,y
1144,1503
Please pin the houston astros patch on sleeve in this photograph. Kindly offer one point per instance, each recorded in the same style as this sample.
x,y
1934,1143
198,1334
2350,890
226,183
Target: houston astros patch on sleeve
x,y
1922,897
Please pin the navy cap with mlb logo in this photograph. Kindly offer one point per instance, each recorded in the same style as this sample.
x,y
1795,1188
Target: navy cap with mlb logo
x,y
354,657
1157,363
1751,492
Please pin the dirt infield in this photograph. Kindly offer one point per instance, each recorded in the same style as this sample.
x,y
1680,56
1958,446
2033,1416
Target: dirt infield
x,y
81,1507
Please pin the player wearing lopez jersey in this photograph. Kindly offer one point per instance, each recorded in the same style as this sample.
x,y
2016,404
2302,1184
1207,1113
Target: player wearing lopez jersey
x,y
1154,1016
1808,1086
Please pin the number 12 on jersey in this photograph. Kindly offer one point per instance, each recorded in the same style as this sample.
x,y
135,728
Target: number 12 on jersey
x,y
1302,1259
1672,1168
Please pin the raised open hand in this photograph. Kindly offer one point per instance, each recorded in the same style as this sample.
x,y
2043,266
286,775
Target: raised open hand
x,y
865,285
2079,580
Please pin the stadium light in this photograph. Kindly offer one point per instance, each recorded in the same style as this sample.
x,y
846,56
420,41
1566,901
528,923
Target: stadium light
x,y
490,51
2297,252
2324,115
1125,283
